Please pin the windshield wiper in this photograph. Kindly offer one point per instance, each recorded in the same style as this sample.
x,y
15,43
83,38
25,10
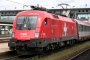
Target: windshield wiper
x,y
22,24
29,27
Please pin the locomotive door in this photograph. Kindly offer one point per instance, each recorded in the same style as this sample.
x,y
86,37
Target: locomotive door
x,y
52,28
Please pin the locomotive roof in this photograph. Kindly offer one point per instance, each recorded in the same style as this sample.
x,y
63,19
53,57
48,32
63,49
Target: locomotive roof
x,y
82,22
49,15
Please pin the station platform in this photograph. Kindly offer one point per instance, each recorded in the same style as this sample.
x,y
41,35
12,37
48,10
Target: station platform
x,y
4,47
6,38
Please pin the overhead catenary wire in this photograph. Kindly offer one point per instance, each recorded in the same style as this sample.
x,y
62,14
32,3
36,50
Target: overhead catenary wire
x,y
17,2
79,5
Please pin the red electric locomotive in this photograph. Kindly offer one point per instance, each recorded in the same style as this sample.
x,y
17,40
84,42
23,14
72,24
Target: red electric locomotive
x,y
35,31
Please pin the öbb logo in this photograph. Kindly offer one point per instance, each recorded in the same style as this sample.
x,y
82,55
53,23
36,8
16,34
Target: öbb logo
x,y
23,35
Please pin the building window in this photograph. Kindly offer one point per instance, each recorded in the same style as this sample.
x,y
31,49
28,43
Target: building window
x,y
82,10
7,17
86,10
57,12
83,16
79,11
2,13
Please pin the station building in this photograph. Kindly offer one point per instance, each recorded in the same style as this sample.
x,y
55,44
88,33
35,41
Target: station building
x,y
7,16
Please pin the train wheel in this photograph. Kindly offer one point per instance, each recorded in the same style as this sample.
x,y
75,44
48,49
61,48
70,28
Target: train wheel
x,y
47,48
71,42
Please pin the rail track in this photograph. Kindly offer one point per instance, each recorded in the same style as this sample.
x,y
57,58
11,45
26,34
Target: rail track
x,y
7,54
12,55
84,55
4,35
4,38
20,57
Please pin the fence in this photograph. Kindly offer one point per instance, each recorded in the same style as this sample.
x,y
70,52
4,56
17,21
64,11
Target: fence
x,y
4,32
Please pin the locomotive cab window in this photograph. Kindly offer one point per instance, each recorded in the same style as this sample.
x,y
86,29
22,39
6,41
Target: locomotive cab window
x,y
26,22
45,22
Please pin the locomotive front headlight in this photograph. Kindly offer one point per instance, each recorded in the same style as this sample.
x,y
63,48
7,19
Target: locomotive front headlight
x,y
13,33
36,34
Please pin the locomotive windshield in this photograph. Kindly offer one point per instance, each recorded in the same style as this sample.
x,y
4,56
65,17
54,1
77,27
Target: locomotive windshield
x,y
26,22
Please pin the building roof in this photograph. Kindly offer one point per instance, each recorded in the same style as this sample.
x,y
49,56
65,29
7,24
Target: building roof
x,y
51,9
73,9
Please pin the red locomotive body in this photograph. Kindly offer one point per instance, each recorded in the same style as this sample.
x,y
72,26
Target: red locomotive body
x,y
35,30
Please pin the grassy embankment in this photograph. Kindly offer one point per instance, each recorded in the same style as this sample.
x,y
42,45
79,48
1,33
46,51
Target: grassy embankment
x,y
67,52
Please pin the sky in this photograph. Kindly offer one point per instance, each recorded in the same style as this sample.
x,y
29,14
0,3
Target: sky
x,y
8,5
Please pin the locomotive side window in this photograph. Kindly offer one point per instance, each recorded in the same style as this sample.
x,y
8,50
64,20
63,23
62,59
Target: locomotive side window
x,y
86,28
45,22
79,27
89,28
83,28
